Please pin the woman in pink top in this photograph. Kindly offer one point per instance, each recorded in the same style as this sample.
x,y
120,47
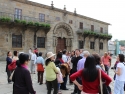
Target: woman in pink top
x,y
106,61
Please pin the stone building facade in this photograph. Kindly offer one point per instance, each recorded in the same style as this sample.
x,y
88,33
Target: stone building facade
x,y
66,32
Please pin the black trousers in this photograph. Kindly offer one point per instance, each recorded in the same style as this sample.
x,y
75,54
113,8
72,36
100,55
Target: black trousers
x,y
51,84
76,89
40,77
63,85
107,69
8,75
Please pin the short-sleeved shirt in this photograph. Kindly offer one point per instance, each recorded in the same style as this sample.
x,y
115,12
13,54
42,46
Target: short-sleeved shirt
x,y
64,58
122,67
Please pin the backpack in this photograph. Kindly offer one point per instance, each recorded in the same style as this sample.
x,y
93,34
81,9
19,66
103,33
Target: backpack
x,y
12,65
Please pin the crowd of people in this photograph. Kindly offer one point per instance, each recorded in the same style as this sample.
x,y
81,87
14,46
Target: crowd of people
x,y
89,73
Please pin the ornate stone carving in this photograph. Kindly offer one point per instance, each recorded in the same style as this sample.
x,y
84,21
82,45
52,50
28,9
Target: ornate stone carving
x,y
55,41
65,27
68,42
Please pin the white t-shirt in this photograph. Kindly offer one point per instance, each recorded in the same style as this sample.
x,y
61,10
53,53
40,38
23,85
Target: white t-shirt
x,y
122,76
64,58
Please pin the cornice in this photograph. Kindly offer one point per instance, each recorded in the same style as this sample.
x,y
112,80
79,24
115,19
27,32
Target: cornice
x,y
59,10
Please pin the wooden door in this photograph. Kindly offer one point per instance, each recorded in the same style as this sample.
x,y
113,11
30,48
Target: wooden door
x,y
61,44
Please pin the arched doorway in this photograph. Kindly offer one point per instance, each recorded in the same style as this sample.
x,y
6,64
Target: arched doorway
x,y
63,37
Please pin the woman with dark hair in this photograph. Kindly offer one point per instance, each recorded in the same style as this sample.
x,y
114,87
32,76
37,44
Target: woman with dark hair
x,y
51,72
40,69
98,61
120,76
21,77
15,57
90,77
8,61
59,60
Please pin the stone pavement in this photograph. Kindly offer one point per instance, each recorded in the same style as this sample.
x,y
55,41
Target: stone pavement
x,y
6,88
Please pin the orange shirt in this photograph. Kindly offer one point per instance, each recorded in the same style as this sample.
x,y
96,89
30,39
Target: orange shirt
x,y
105,60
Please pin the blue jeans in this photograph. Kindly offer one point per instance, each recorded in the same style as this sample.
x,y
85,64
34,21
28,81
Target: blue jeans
x,y
119,87
59,86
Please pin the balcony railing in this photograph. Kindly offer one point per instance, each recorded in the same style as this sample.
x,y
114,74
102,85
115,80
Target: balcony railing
x,y
21,17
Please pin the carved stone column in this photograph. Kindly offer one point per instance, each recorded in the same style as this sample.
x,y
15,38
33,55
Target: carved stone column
x,y
55,40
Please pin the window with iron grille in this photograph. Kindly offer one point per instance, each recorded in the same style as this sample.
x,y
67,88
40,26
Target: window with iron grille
x,y
101,45
92,27
18,13
80,44
101,29
81,25
41,42
42,17
16,41
92,45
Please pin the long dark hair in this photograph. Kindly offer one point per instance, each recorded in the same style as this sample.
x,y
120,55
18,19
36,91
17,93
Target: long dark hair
x,y
22,58
47,61
90,73
8,53
97,59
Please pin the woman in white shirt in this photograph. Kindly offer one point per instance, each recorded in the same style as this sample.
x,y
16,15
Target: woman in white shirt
x,y
120,76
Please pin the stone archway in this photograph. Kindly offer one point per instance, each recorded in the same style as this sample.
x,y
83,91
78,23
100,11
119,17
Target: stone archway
x,y
62,34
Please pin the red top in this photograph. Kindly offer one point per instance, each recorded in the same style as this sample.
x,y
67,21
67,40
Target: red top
x,y
91,87
105,60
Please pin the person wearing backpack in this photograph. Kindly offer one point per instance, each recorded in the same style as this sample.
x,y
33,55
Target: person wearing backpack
x,y
120,76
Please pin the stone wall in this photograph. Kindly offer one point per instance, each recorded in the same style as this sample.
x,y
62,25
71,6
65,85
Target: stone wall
x,y
55,16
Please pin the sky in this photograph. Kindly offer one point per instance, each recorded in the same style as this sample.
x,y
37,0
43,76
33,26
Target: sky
x,y
110,11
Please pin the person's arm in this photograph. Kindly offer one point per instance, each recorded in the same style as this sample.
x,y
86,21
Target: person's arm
x,y
54,67
30,52
75,75
106,78
9,60
79,86
29,82
78,65
42,61
118,72
35,58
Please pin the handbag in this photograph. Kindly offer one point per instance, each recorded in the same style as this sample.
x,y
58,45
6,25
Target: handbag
x,y
103,88
12,65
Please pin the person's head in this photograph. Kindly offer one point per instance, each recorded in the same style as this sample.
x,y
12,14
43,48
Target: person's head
x,y
77,52
68,53
97,59
86,53
64,51
23,59
50,57
105,54
40,53
121,58
90,73
73,53
9,53
59,55
15,53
